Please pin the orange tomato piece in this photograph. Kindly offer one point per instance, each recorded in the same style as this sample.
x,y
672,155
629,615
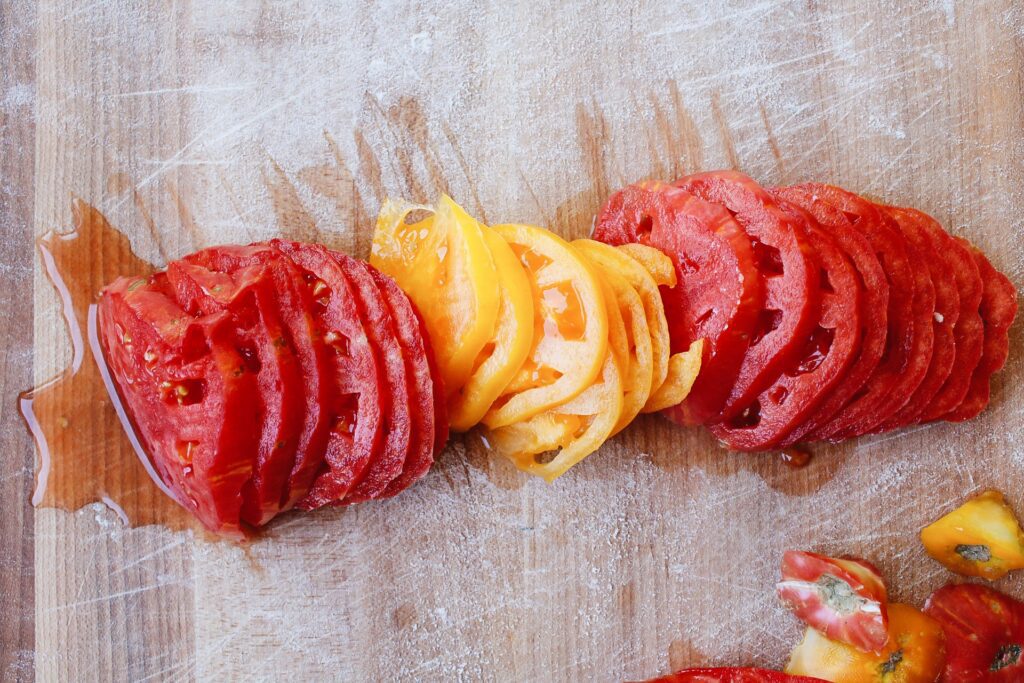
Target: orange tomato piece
x,y
656,262
570,337
638,372
510,343
549,443
683,369
914,653
982,538
442,262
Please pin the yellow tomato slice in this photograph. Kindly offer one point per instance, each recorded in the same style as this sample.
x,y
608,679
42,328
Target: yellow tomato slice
x,y
683,369
575,429
510,344
655,262
570,338
444,265
639,276
618,270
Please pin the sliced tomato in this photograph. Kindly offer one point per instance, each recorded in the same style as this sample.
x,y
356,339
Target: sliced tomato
x,y
397,423
945,311
189,392
982,538
829,351
998,309
789,274
248,296
844,598
874,288
914,653
969,331
306,340
889,386
732,675
718,295
420,384
984,633
355,409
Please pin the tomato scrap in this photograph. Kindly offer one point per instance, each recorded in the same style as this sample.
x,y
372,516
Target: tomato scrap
x,y
982,538
844,598
984,633
914,653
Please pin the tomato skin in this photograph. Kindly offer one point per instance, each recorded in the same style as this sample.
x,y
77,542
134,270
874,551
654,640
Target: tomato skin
x,y
984,633
732,675
915,653
809,586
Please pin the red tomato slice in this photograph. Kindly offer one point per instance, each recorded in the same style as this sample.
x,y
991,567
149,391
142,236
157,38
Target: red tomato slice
x,y
733,675
789,275
946,310
889,387
314,358
380,327
718,295
969,330
844,598
874,309
984,633
998,309
420,384
248,296
189,393
355,407
829,351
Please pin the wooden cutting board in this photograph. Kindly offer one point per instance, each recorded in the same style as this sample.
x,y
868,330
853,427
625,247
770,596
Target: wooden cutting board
x,y
206,122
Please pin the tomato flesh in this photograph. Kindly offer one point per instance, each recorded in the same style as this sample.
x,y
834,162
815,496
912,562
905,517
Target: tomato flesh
x,y
829,351
984,633
844,598
789,277
733,675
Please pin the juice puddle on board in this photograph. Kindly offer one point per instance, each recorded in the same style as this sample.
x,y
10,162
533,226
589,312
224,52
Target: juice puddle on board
x,y
85,454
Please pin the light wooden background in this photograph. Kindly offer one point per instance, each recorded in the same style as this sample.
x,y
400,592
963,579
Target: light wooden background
x,y
659,551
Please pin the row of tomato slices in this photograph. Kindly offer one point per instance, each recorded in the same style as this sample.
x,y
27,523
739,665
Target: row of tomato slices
x,y
825,315
284,374
552,346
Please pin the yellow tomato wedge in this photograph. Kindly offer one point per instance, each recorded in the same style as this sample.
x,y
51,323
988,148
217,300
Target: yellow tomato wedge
x,y
575,429
638,374
915,653
982,538
509,346
444,265
570,338
683,369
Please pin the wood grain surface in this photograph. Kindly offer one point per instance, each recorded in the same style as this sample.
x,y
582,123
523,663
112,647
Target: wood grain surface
x,y
195,123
